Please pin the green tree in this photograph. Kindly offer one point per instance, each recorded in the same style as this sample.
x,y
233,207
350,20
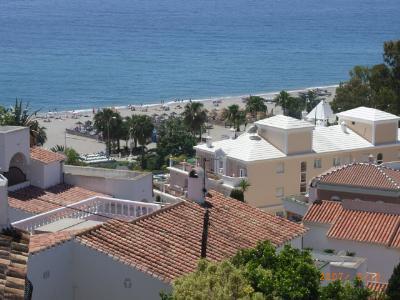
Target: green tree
x,y
195,116
244,185
309,99
237,194
174,138
377,86
20,115
289,274
143,132
255,104
291,106
110,125
235,116
222,281
338,290
393,288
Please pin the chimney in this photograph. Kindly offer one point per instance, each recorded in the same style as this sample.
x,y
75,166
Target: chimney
x,y
209,141
4,217
304,114
204,238
344,126
196,185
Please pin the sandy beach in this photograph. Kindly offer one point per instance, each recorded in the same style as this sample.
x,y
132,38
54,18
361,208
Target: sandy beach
x,y
58,122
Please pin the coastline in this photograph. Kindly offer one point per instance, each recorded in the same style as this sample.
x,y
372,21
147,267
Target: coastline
x,y
56,123
206,99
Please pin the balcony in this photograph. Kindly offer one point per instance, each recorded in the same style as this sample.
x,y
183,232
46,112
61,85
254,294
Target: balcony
x,y
85,214
296,204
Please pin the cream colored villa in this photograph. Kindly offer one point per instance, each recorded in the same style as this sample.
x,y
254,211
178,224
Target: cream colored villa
x,y
279,155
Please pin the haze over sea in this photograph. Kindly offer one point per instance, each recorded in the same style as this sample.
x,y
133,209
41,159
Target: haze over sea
x,y
71,54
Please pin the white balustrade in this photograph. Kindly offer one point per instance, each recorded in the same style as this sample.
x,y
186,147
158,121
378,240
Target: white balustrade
x,y
103,207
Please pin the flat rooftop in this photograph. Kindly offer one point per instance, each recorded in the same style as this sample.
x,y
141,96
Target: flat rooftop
x,y
5,129
67,224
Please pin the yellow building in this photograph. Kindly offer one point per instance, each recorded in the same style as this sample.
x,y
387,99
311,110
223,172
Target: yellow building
x,y
279,155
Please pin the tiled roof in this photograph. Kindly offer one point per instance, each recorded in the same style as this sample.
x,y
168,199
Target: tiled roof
x,y
252,147
45,156
363,175
363,226
377,286
323,212
360,226
367,114
284,122
43,241
36,200
167,243
14,245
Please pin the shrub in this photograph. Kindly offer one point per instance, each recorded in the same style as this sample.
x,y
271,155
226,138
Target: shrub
x,y
237,194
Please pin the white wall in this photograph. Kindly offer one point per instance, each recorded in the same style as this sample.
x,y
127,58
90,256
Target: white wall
x,y
37,173
112,182
51,273
52,174
45,175
15,140
380,259
98,276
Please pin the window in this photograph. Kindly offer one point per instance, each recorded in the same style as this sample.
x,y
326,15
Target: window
x,y
353,123
303,166
303,177
379,158
280,168
279,192
336,161
303,188
242,172
317,163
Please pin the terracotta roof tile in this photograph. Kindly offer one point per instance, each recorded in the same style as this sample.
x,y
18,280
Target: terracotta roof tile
x,y
363,226
36,200
45,156
167,243
43,241
377,286
323,212
363,175
14,245
354,225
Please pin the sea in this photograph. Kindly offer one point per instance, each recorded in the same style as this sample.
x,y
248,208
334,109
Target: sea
x,y
74,54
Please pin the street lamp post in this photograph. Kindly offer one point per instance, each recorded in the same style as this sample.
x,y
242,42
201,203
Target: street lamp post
x,y
108,135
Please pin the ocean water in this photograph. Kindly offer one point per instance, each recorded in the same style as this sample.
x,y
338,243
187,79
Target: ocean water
x,y
71,54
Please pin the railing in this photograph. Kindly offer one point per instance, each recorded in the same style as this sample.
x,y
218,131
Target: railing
x,y
103,207
232,181
102,173
181,166
297,204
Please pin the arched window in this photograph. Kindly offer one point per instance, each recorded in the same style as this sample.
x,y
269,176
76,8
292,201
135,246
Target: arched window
x,y
379,158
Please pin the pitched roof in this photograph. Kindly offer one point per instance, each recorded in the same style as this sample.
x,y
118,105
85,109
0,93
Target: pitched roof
x,y
36,200
378,287
284,122
252,147
323,212
367,114
13,263
43,241
322,111
167,243
360,226
45,156
363,175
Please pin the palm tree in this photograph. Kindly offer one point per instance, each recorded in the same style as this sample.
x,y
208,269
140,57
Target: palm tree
x,y
235,116
143,131
107,122
19,115
244,185
255,104
282,100
58,148
194,116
